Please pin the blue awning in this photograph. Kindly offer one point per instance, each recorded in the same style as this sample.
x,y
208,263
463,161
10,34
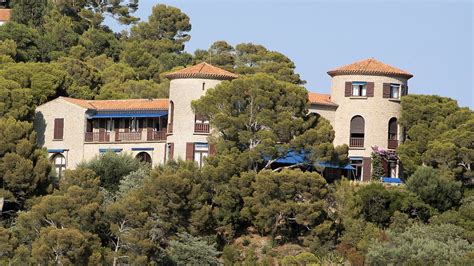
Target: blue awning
x,y
392,180
57,150
110,150
129,114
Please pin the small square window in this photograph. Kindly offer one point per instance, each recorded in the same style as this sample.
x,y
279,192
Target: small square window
x,y
395,91
359,89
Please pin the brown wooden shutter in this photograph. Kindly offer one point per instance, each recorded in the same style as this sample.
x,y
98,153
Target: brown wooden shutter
x,y
348,90
370,89
404,90
58,128
357,125
189,151
366,168
212,149
386,90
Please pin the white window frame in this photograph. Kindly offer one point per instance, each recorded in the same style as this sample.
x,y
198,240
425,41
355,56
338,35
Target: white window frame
x,y
359,89
201,151
60,166
392,87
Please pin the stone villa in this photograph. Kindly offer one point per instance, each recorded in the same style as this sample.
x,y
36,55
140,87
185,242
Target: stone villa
x,y
363,108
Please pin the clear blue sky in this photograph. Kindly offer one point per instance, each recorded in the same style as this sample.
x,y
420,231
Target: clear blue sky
x,y
432,40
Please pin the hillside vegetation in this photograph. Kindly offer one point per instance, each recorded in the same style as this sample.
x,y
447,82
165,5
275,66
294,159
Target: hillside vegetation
x,y
235,210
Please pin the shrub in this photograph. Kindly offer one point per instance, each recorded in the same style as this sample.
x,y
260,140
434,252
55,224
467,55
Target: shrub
x,y
438,191
422,245
111,168
190,250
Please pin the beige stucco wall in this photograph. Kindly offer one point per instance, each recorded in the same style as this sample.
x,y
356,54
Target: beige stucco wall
x,y
157,154
376,112
73,137
74,128
182,93
326,111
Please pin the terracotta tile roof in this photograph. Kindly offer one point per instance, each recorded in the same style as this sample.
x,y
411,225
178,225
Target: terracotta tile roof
x,y
369,66
318,98
5,14
129,104
202,70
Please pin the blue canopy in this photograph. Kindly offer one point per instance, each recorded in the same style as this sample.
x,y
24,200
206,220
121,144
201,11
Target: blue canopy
x,y
392,180
293,157
130,114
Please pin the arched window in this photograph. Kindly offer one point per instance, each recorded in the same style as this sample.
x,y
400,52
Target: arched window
x,y
392,133
59,163
357,131
144,157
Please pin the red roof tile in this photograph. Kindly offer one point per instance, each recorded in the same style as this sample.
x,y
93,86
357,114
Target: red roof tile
x,y
202,70
369,66
128,104
319,98
5,14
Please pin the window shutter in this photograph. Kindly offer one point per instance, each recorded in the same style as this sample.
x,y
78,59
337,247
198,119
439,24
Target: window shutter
x,y
357,125
189,151
404,90
366,168
212,149
386,90
348,91
58,128
370,89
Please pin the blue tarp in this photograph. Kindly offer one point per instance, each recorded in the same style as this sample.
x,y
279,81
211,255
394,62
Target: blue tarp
x,y
392,180
130,114
293,157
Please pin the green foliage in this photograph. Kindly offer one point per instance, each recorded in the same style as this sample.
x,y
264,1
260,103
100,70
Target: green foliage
x,y
462,217
287,203
230,255
98,42
111,168
249,58
25,39
432,187
24,169
29,12
141,89
377,167
262,118
190,250
379,204
422,245
439,134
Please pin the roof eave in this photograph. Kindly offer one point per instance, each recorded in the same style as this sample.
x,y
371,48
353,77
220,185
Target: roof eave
x,y
333,73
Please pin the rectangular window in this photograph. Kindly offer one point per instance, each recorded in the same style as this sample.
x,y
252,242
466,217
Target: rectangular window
x,y
201,151
359,89
357,173
395,91
58,128
110,126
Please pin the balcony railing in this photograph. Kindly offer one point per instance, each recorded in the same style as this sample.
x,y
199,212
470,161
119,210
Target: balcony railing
x,y
201,127
156,135
129,136
356,142
392,143
97,136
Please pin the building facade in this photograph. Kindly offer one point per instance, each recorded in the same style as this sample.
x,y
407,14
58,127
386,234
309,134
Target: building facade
x,y
363,108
